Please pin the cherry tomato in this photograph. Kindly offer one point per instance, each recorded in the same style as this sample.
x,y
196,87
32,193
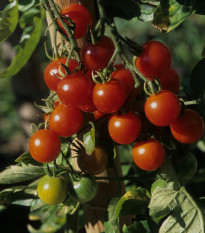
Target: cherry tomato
x,y
124,129
52,190
148,155
163,108
109,97
154,60
96,56
80,16
44,146
97,114
83,189
65,120
75,90
127,79
188,128
51,72
95,163
170,81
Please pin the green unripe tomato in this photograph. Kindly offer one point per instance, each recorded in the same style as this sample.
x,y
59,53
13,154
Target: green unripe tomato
x,y
83,189
52,190
158,184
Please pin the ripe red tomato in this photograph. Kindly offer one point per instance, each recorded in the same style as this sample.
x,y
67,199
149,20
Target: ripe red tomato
x,y
95,163
127,79
96,56
170,81
163,108
154,60
109,97
65,120
188,128
52,190
97,114
44,146
124,129
80,16
148,155
51,71
75,90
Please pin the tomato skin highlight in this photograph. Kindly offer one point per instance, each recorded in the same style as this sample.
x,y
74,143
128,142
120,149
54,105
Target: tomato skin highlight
x,y
51,71
95,163
65,120
52,190
80,16
44,146
188,128
109,97
154,60
96,56
124,129
75,90
148,155
170,81
162,108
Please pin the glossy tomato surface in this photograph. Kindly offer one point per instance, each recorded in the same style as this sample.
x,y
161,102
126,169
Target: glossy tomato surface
x,y
75,90
188,128
65,120
95,163
44,146
52,190
51,72
170,81
154,60
124,129
163,108
148,155
109,97
80,16
96,56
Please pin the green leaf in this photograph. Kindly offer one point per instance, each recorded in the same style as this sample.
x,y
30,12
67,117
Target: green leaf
x,y
111,221
16,173
26,48
26,159
184,214
89,140
197,81
133,202
132,10
8,20
27,17
25,5
141,226
170,13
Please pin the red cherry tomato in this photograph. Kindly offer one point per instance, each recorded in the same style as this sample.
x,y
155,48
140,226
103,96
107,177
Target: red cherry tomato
x,y
89,106
80,16
97,114
51,72
124,129
75,90
109,97
154,60
170,81
163,108
188,128
65,120
44,146
96,56
148,155
127,79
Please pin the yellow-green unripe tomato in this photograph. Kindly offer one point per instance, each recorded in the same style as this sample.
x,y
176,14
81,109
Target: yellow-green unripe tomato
x,y
52,190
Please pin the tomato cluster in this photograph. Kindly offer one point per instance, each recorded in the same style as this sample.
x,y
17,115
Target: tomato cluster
x,y
92,83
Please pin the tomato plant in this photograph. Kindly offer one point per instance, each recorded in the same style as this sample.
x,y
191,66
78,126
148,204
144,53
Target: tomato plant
x,y
188,128
162,108
148,155
124,129
52,190
61,118
44,146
